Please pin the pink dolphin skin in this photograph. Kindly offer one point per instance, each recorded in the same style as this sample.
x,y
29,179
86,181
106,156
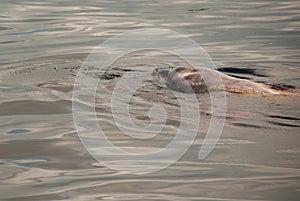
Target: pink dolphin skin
x,y
202,80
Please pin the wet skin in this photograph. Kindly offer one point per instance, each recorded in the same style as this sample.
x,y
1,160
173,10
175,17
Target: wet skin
x,y
202,80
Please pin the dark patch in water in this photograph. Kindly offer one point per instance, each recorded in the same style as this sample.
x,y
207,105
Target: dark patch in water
x,y
7,42
283,117
283,124
247,125
122,69
18,131
109,76
281,86
248,71
197,9
143,118
240,77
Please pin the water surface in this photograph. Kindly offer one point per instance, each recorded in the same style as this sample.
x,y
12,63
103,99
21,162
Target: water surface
x,y
42,46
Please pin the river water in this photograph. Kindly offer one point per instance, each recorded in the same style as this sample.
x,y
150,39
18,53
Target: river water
x,y
43,45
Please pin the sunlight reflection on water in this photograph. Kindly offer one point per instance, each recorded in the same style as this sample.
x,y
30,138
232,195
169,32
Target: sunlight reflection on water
x,y
42,45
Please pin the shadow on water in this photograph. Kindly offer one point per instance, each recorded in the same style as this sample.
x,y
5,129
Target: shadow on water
x,y
247,71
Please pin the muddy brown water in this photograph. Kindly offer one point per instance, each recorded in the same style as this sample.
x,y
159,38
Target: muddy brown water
x,y
42,46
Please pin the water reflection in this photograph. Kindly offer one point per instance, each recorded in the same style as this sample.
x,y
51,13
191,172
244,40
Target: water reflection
x,y
42,47
18,131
